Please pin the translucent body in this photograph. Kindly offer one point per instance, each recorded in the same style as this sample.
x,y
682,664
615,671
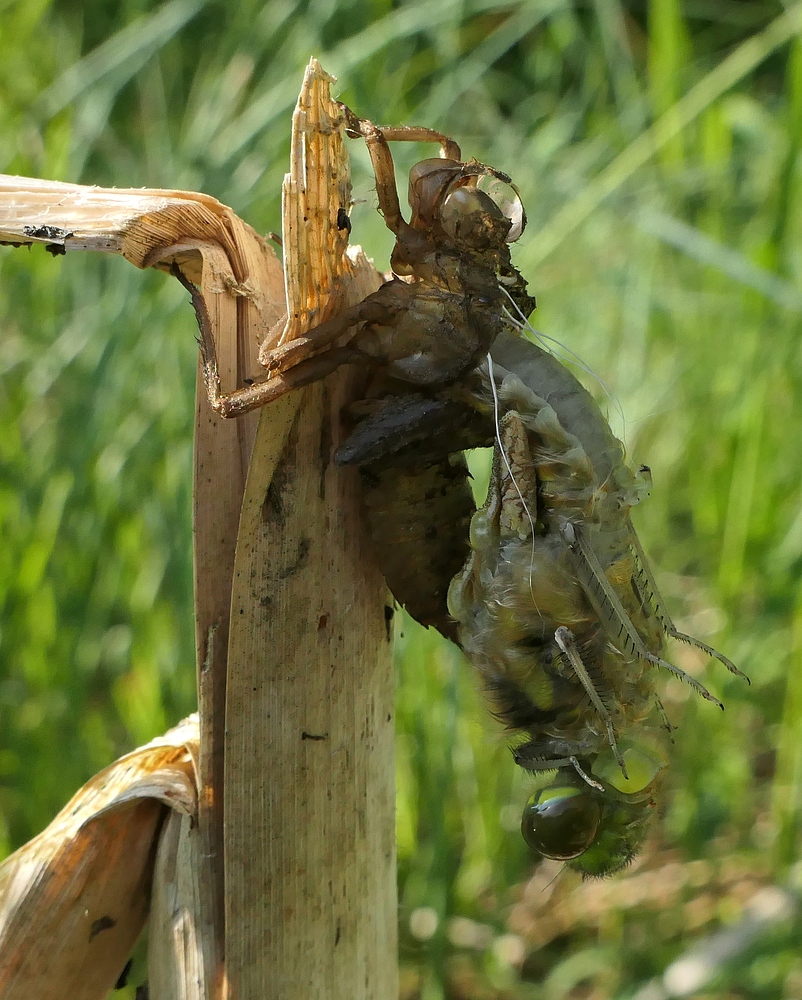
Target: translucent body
x,y
555,606
558,611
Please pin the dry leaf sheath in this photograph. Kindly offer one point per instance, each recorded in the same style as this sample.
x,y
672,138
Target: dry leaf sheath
x,y
309,789
74,899
303,684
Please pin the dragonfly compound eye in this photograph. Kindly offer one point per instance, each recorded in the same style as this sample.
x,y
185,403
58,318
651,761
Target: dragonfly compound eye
x,y
560,822
471,216
505,196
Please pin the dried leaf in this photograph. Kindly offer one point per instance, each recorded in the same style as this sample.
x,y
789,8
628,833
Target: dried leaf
x,y
241,283
182,952
309,828
74,899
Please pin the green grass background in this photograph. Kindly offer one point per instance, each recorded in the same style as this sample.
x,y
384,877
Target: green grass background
x,y
657,147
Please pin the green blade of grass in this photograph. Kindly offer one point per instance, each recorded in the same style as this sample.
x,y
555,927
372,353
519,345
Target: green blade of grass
x,y
717,82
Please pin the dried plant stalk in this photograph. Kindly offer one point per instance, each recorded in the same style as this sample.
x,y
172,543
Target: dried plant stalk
x,y
183,961
240,318
309,810
242,285
302,668
74,899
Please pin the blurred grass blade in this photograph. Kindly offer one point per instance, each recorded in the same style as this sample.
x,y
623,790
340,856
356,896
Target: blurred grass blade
x,y
128,51
668,55
787,783
469,70
618,55
702,248
717,82
389,30
48,520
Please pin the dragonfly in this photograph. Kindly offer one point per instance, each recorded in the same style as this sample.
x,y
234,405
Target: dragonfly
x,y
546,589
560,613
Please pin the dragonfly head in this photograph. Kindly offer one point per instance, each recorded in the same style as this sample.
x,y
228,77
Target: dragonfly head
x,y
561,820
621,833
469,204
596,823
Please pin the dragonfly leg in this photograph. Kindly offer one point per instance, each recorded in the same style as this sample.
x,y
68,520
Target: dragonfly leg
x,y
383,168
249,397
664,718
564,638
587,778
664,616
403,133
611,612
554,764
374,309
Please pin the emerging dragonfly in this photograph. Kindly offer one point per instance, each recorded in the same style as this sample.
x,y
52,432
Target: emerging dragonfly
x,y
552,598
560,613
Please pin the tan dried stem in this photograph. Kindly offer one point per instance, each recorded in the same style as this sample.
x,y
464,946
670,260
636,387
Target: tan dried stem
x,y
309,841
74,899
240,281
294,679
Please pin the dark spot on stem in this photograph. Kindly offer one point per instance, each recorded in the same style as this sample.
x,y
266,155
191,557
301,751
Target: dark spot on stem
x,y
300,560
101,924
